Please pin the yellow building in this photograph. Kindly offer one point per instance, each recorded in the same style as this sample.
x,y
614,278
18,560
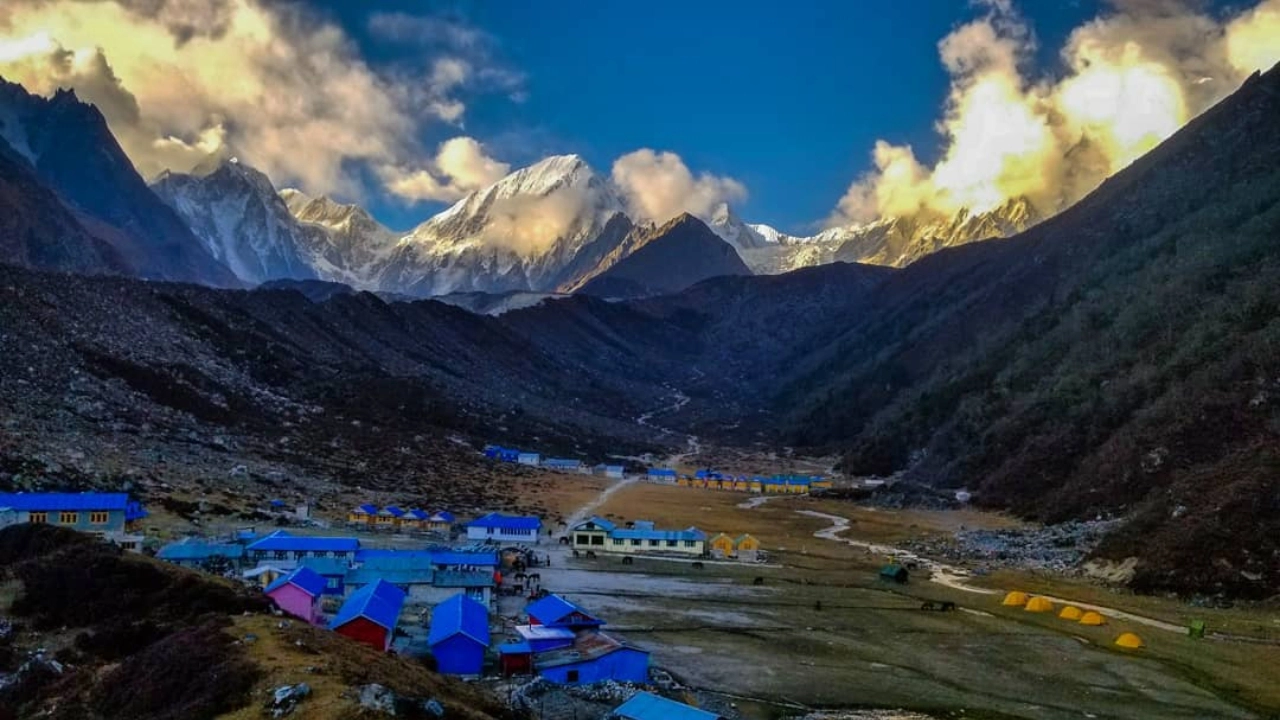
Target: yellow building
x,y
683,481
721,546
741,485
756,486
820,484
700,483
362,515
746,547
797,488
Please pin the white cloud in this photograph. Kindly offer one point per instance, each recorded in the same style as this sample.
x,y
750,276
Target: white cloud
x,y
1136,74
658,186
270,82
459,167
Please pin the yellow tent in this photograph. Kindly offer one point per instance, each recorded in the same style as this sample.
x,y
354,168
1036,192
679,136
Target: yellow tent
x,y
1039,604
1129,640
1017,598
1092,618
1070,612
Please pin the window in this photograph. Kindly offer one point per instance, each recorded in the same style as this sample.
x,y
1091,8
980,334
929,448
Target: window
x,y
281,554
581,539
39,518
635,542
671,543
99,518
333,583
68,518
571,676
597,540
689,543
618,541
653,543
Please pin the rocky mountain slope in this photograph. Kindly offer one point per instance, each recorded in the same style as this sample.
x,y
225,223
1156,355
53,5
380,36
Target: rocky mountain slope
x,y
665,259
72,152
350,246
243,222
1116,359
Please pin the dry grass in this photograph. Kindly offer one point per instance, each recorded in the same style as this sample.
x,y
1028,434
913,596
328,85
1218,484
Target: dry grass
x,y
333,666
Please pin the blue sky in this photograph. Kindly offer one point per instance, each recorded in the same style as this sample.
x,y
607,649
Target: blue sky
x,y
788,98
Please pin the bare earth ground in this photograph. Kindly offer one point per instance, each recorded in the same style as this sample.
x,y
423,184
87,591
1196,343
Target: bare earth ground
x,y
871,646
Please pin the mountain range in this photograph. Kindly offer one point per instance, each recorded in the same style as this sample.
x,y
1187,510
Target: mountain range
x,y
1117,360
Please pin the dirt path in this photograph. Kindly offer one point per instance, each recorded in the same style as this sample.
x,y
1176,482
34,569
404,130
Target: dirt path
x,y
956,578
587,509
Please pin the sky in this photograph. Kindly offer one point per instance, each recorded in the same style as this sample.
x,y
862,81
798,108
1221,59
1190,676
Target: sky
x,y
802,115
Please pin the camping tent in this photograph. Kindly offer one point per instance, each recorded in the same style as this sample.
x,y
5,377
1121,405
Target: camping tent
x,y
1070,612
1129,640
1039,604
1017,598
1092,618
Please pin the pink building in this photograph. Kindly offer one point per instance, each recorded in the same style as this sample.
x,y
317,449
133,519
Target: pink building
x,y
298,594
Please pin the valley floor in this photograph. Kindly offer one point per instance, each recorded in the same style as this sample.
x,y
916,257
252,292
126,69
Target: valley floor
x,y
823,632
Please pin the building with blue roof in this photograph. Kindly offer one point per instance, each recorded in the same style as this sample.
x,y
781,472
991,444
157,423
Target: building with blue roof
x,y
563,465
647,706
371,614
281,545
593,657
109,515
555,611
497,527
662,475
459,635
194,552
298,594
333,570
591,534
464,559
599,535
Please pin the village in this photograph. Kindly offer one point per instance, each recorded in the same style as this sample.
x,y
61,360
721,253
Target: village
x,y
654,587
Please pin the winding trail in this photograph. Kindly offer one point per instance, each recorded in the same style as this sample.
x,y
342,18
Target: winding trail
x,y
955,578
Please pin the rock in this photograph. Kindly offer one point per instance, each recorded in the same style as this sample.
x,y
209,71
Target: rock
x,y
239,471
286,697
377,698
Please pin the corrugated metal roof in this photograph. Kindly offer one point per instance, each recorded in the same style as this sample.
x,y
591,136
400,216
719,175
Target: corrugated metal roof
x,y
662,472
542,632
553,608
442,516
379,602
599,522
587,646
647,706
499,521
458,558
395,576
326,566
394,559
195,549
463,579
305,579
65,501
515,648
417,514
392,510
281,540
689,534
367,509
459,614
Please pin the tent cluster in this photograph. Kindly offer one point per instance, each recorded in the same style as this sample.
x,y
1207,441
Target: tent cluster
x,y
1040,604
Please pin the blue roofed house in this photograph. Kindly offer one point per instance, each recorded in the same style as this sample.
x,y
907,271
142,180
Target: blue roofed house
x,y
459,635
529,458
591,534
333,570
563,465
109,515
440,521
663,475
643,537
370,615
593,657
557,612
282,546
195,552
647,706
505,528
298,594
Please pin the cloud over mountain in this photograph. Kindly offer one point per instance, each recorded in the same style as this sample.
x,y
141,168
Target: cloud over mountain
x,y
1134,75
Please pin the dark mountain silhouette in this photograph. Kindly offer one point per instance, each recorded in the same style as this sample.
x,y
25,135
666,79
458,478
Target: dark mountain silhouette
x,y
665,259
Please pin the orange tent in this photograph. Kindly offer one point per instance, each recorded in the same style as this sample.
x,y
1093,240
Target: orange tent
x,y
1039,604
1092,618
1017,598
1070,612
1130,641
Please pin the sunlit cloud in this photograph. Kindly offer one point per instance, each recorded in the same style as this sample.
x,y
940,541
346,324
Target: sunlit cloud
x,y
1133,77
658,186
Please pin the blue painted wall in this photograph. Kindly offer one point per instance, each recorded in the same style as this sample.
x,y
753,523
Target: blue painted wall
x,y
625,665
459,655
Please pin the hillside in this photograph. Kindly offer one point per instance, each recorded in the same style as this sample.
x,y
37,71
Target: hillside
x,y
665,259
1116,359
101,634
